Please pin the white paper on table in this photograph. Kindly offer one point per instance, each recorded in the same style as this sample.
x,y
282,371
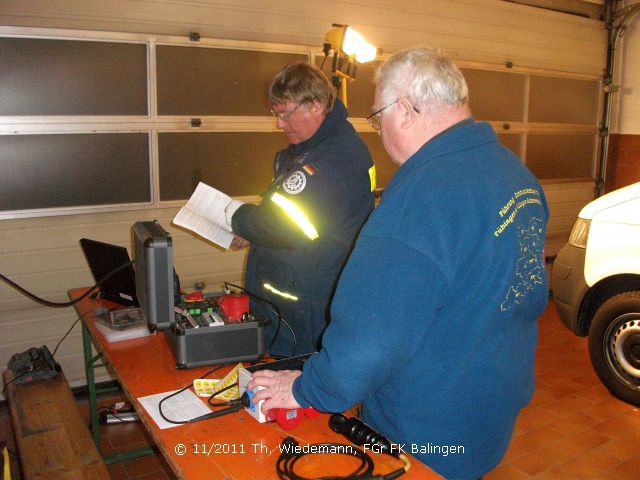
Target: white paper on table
x,y
204,215
181,407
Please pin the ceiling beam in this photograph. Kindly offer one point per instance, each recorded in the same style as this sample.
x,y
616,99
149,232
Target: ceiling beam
x,y
593,9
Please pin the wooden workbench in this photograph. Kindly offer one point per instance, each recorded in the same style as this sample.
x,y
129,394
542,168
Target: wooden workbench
x,y
52,438
233,446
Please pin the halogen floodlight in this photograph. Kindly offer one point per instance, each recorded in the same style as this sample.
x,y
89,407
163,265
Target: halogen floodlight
x,y
346,40
349,49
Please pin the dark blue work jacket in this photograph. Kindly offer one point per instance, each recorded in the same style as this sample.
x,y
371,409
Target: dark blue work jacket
x,y
296,256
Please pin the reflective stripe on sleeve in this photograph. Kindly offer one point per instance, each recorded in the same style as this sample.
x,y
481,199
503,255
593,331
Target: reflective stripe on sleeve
x,y
286,295
296,215
372,177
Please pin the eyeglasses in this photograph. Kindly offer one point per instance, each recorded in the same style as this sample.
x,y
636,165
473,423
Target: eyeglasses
x,y
284,116
374,118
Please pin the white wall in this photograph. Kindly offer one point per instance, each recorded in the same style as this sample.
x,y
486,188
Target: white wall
x,y
627,77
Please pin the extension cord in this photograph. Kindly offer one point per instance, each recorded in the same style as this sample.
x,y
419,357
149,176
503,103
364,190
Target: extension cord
x,y
120,417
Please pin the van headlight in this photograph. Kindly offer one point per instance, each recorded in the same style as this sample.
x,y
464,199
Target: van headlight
x,y
580,233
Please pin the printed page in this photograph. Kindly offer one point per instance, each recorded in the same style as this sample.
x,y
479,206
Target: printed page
x,y
204,215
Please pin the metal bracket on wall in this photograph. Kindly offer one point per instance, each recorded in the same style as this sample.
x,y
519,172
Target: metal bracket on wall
x,y
616,20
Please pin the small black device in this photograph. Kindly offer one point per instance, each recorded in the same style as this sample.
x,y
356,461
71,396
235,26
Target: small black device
x,y
103,259
33,364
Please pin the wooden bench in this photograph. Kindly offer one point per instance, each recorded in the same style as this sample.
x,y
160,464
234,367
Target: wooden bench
x,y
52,438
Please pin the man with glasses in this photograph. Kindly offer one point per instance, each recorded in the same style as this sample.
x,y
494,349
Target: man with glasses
x,y
433,324
304,228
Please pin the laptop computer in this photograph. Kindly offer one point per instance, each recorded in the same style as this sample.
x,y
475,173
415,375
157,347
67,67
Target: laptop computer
x,y
104,258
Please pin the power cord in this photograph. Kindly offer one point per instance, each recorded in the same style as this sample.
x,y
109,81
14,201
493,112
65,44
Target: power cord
x,y
119,412
53,354
48,303
359,433
70,303
274,309
232,405
292,453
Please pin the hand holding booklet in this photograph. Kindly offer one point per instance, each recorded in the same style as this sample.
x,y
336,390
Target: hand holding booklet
x,y
204,214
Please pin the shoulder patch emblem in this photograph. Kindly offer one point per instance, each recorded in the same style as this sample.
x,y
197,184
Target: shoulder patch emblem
x,y
294,183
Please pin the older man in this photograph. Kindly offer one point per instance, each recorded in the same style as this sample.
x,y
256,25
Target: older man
x,y
304,228
434,320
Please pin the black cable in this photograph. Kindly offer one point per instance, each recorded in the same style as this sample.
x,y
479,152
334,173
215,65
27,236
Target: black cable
x,y
291,454
293,334
72,302
324,60
67,334
4,388
115,415
47,303
218,392
234,405
274,309
99,410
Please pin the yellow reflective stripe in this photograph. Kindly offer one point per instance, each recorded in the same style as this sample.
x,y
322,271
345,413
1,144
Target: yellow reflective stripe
x,y
296,214
372,177
278,292
6,474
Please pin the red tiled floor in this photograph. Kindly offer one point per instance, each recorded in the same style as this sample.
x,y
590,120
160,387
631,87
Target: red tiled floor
x,y
597,436
572,429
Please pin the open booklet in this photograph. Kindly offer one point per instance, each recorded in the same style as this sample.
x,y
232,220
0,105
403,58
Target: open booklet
x,y
204,215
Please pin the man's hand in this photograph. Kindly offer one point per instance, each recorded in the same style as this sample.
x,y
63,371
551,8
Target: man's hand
x,y
239,242
277,392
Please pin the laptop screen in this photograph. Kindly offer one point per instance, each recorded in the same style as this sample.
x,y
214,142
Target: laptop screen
x,y
104,258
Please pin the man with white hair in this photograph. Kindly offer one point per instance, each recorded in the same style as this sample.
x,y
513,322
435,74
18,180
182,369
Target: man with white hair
x,y
434,322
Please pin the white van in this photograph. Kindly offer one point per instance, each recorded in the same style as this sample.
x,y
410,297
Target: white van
x,y
596,288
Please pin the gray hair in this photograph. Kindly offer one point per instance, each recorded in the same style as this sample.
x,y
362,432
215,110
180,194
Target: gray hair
x,y
301,83
426,76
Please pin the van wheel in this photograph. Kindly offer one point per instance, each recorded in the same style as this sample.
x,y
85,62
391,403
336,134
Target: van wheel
x,y
614,346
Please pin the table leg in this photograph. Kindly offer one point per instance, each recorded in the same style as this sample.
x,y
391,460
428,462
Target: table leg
x,y
89,360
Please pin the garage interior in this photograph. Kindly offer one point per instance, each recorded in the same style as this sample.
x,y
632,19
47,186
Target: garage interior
x,y
573,428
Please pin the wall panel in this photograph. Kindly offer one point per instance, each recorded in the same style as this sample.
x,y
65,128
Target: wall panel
x,y
575,151
239,164
72,77
65,170
190,79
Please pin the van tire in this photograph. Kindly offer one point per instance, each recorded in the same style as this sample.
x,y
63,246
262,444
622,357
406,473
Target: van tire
x,y
614,345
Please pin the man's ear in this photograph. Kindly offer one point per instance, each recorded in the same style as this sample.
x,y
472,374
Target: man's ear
x,y
407,112
317,106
